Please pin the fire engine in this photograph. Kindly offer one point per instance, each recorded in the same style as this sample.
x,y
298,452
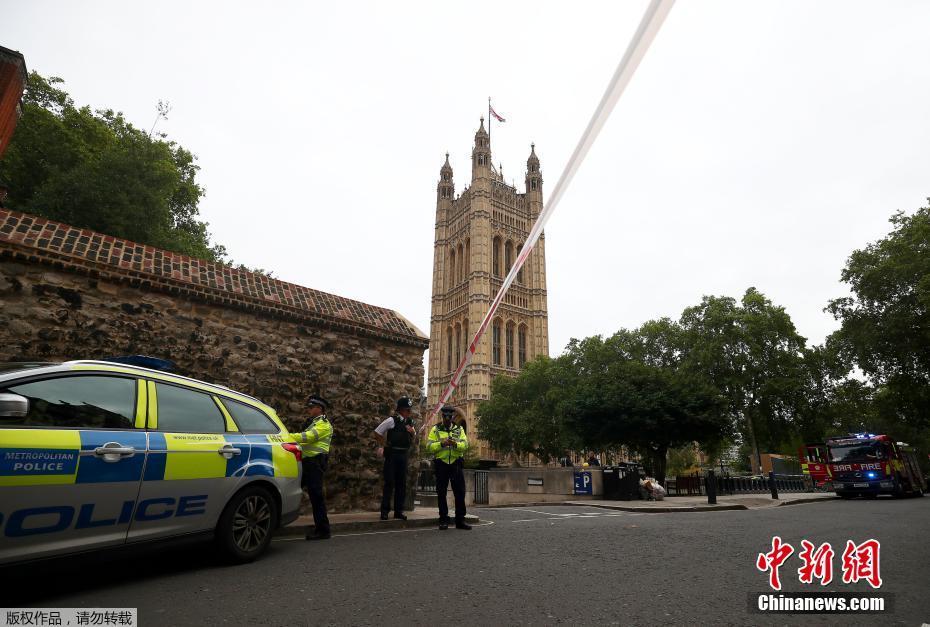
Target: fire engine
x,y
813,458
865,464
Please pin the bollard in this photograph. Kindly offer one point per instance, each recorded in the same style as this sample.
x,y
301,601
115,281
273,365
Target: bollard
x,y
772,484
710,483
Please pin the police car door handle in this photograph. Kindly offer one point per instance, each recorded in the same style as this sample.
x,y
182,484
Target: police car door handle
x,y
114,451
229,450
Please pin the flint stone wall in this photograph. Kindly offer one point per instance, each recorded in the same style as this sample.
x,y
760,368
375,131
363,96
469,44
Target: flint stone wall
x,y
55,306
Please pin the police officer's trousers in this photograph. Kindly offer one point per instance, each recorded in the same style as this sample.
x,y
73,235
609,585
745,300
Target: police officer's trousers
x,y
314,469
395,480
446,474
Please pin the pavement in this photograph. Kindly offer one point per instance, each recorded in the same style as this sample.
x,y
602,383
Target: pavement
x,y
354,522
545,565
699,503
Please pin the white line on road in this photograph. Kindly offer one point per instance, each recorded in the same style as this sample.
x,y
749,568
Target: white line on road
x,y
536,511
574,516
375,533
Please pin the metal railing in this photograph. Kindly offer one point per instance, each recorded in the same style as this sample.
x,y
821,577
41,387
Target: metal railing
x,y
481,487
426,481
695,484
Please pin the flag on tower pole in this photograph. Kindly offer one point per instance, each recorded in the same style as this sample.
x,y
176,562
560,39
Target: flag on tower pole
x,y
648,28
492,114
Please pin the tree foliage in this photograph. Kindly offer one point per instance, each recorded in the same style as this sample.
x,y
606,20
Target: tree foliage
x,y
886,322
603,394
93,169
738,372
524,414
754,356
619,399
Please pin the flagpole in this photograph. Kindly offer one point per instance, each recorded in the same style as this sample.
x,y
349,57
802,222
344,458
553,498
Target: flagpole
x,y
489,122
648,28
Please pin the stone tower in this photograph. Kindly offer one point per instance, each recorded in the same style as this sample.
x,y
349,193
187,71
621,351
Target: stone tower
x,y
479,234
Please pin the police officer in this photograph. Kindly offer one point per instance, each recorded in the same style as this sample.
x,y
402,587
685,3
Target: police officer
x,y
447,443
314,441
395,435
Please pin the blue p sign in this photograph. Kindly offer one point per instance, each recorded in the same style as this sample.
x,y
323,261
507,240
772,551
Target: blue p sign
x,y
583,484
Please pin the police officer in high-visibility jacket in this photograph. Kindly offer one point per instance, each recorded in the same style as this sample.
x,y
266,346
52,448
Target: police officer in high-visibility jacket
x,y
314,441
447,443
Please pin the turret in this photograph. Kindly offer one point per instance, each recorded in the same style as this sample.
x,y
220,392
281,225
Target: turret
x,y
533,175
534,181
445,191
481,154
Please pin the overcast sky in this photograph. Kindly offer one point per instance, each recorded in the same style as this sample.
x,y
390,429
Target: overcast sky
x,y
758,144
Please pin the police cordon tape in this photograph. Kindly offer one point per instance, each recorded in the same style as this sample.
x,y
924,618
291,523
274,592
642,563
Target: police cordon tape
x,y
649,26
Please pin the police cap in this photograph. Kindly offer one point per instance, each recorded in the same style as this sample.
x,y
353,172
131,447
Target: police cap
x,y
404,402
313,399
448,410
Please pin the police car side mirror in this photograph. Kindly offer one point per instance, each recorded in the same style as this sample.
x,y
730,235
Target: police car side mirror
x,y
13,405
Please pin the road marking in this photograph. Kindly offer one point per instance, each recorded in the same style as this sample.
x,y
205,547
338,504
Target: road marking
x,y
535,519
536,511
375,533
564,518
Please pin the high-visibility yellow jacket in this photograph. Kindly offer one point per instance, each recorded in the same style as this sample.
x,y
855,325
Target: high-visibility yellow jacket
x,y
447,454
316,438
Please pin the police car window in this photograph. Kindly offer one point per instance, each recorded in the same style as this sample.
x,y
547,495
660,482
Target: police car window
x,y
86,402
249,419
185,411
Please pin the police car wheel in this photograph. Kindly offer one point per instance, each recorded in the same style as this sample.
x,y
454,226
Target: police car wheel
x,y
245,528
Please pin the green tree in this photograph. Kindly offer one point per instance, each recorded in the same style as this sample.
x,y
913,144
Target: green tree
x,y
95,170
524,414
650,407
886,322
681,459
752,353
830,401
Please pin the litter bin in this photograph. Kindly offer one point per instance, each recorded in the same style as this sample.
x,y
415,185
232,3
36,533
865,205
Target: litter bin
x,y
628,481
611,486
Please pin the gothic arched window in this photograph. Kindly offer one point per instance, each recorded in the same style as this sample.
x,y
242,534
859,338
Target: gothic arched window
x,y
458,345
510,329
521,345
496,256
496,343
508,256
452,267
533,184
460,276
467,259
466,339
520,271
449,350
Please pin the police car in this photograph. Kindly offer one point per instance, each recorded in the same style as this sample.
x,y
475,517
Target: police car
x,y
97,454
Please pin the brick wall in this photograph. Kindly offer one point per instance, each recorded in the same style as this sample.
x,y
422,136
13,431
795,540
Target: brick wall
x,y
67,293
